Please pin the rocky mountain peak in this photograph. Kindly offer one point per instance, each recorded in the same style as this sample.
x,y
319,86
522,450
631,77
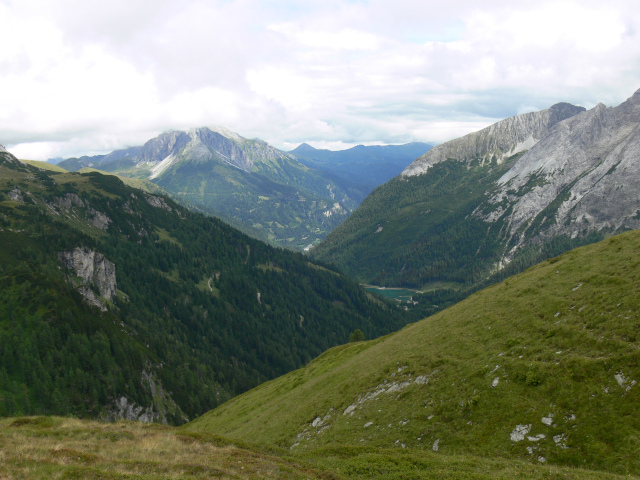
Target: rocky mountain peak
x,y
163,145
561,111
224,131
303,147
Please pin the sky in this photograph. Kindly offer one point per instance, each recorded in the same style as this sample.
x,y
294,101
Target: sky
x,y
82,77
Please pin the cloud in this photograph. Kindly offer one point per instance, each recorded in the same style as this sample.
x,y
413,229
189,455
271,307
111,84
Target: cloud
x,y
82,78
345,39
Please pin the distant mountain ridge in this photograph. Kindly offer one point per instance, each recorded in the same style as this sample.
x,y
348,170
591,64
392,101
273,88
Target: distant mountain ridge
x,y
488,204
249,183
369,166
290,199
199,144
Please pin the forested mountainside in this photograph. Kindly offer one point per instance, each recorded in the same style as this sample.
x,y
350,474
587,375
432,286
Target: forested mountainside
x,y
479,208
118,303
368,166
542,368
261,190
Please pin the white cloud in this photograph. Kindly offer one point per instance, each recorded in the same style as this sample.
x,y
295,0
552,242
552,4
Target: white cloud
x,y
345,39
81,77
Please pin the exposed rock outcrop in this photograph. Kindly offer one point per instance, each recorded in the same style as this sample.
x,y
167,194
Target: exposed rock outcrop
x,y
98,219
162,407
157,202
95,218
95,271
16,195
498,141
69,200
124,409
575,179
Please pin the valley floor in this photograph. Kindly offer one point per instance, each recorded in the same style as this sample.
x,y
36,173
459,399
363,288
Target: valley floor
x,y
62,448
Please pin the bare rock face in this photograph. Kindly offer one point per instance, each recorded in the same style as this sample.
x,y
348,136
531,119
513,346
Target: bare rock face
x,y
583,176
579,173
98,219
498,141
94,270
69,200
91,298
95,218
16,195
157,202
124,409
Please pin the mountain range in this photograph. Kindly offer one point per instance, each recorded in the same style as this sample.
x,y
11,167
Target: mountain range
x,y
484,206
248,183
119,303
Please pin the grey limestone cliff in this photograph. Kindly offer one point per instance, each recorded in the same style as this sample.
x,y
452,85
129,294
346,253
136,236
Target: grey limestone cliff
x,y
469,208
94,270
498,141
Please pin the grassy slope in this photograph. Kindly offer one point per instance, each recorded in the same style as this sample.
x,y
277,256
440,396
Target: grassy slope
x,y
44,166
554,337
61,448
140,184
54,447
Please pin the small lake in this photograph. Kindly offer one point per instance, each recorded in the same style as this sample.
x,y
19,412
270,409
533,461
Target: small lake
x,y
402,294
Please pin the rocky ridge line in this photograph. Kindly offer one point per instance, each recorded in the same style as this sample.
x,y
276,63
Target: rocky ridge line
x,y
498,141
